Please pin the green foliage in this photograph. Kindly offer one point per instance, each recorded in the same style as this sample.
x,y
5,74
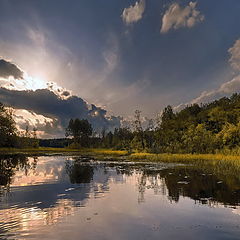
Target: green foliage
x,y
205,128
200,129
229,136
197,140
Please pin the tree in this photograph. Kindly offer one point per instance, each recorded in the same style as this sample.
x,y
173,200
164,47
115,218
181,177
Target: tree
x,y
80,130
229,136
121,138
139,129
35,141
198,140
7,128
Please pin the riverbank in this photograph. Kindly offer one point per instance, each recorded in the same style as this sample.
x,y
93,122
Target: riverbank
x,y
166,157
62,151
220,164
162,157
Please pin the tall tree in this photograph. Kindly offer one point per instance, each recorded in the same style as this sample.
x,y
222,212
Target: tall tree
x,y
7,127
80,130
138,128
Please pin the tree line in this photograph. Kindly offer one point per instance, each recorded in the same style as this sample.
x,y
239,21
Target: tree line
x,y
204,128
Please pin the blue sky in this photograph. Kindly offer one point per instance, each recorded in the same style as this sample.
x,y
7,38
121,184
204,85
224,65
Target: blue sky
x,y
124,55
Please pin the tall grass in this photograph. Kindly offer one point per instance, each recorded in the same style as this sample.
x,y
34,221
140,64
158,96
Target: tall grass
x,y
165,157
49,150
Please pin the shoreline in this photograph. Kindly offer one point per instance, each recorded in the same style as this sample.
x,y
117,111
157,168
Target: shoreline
x,y
42,151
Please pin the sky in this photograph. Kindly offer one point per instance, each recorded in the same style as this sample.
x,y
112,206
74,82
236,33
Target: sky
x,y
102,60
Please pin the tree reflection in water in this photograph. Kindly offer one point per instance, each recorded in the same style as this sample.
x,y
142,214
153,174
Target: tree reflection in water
x,y
9,164
78,172
200,183
201,186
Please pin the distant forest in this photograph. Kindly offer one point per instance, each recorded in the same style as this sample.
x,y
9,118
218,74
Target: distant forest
x,y
206,128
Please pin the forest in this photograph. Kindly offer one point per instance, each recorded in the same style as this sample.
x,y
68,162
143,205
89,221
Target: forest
x,y
206,128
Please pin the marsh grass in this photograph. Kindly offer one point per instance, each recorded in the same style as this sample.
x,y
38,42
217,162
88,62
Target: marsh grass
x,y
67,151
221,165
221,161
164,157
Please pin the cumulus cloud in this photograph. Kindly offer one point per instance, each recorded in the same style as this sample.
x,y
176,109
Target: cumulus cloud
x,y
134,13
177,17
8,69
46,127
59,91
235,55
225,89
48,104
229,87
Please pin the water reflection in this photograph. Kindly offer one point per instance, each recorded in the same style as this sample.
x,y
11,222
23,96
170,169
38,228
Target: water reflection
x,y
78,172
43,191
205,188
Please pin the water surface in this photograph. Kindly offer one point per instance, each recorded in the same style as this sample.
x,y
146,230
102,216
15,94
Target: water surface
x,y
75,198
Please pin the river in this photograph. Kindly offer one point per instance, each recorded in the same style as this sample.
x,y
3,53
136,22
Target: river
x,y
62,197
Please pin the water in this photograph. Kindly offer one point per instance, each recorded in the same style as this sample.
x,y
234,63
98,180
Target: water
x,y
74,198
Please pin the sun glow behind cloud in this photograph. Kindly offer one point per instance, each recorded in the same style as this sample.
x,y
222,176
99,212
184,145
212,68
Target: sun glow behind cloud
x,y
27,83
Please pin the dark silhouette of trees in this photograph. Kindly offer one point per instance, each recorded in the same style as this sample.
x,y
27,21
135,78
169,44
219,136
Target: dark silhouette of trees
x,y
7,128
79,173
80,130
204,128
139,132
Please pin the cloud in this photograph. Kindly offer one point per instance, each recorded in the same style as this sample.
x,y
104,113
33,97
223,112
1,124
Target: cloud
x,y
46,127
134,13
226,89
8,69
48,104
235,55
176,17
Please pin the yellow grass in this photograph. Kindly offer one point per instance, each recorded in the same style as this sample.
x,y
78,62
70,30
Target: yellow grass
x,y
116,154
219,162
182,157
48,150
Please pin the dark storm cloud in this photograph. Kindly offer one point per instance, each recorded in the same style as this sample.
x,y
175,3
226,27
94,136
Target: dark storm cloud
x,y
75,47
48,104
8,69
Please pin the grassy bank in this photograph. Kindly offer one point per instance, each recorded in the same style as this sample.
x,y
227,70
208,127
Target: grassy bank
x,y
62,151
220,162
164,157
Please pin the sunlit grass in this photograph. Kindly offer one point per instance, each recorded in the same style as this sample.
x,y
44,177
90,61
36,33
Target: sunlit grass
x,y
183,157
219,163
108,151
47,150
101,152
